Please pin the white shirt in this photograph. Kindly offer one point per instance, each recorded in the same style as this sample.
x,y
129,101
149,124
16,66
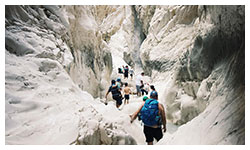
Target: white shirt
x,y
138,79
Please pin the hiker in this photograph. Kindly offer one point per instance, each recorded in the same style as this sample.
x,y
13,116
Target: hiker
x,y
119,82
153,117
139,82
116,93
144,89
126,72
152,88
127,91
131,73
120,70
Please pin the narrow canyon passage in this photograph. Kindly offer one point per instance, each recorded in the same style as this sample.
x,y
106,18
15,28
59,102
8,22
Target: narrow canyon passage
x,y
60,60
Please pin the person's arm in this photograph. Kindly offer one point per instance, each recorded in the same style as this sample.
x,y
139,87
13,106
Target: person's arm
x,y
107,93
135,114
162,113
141,82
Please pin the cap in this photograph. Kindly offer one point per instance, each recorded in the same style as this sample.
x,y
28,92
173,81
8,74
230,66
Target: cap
x,y
113,82
118,79
144,98
154,94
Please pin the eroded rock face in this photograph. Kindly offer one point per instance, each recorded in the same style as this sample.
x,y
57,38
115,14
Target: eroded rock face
x,y
79,46
190,45
195,52
47,48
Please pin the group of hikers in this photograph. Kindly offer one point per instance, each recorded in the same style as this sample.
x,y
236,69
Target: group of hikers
x,y
125,71
151,112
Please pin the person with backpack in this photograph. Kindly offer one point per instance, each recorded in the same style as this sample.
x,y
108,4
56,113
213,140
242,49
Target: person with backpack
x,y
126,72
119,83
116,93
127,91
120,70
153,117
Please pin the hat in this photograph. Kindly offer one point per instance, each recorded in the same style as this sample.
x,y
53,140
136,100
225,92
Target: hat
x,y
113,82
144,98
154,94
118,79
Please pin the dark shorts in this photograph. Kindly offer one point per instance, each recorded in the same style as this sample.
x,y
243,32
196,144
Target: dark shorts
x,y
126,96
118,99
125,75
151,133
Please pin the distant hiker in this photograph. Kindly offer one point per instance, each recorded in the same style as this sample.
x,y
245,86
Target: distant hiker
x,y
116,93
127,91
131,73
152,88
144,89
119,82
153,117
139,82
126,72
120,70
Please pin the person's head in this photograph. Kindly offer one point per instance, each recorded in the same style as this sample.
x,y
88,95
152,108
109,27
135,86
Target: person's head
x,y
126,84
154,95
118,79
112,82
144,98
142,73
126,66
152,87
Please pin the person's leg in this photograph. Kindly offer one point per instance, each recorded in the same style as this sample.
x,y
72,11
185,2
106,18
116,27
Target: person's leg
x,y
148,134
150,143
119,102
158,134
117,105
142,91
137,90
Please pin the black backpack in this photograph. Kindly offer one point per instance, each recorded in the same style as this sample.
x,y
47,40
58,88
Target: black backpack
x,y
119,70
116,93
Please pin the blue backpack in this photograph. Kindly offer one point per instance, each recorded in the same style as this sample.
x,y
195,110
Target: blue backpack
x,y
149,113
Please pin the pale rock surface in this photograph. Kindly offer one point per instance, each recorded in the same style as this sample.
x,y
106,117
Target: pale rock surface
x,y
59,58
40,108
187,47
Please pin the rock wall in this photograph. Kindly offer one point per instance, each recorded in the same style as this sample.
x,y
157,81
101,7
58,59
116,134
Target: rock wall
x,y
194,54
190,46
46,49
87,61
